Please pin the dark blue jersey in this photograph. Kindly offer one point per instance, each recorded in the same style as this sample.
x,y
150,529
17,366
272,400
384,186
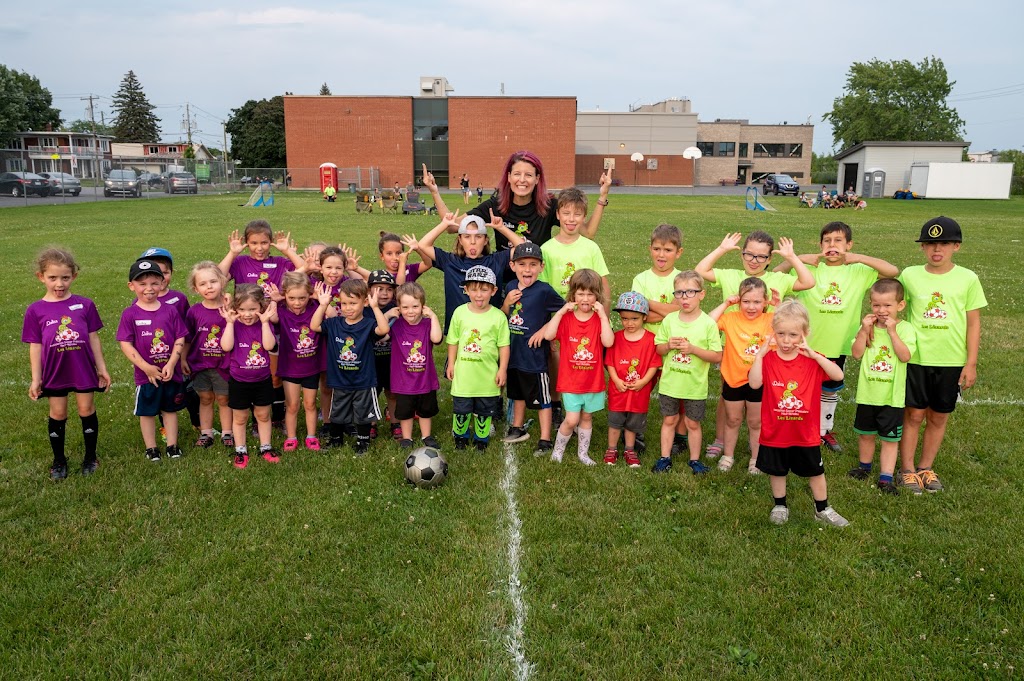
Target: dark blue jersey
x,y
525,318
454,269
350,358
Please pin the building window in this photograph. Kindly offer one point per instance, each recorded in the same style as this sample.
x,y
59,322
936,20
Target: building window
x,y
795,174
726,149
16,143
706,148
430,136
47,142
795,151
172,150
743,150
762,150
105,145
15,165
154,151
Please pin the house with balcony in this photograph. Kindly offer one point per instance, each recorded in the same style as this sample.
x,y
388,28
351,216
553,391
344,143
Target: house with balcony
x,y
156,157
81,154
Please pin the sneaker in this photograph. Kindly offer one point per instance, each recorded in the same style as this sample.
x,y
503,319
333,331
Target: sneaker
x,y
174,451
396,431
90,467
290,445
228,440
640,445
544,447
829,440
153,454
480,445
888,488
929,480
557,415
830,517
312,444
714,450
912,481
336,442
461,442
270,456
204,441
859,473
698,468
725,463
632,458
361,448
663,465
431,441
59,472
516,434
241,460
680,446
405,444
373,432
779,515
752,468
611,456
279,425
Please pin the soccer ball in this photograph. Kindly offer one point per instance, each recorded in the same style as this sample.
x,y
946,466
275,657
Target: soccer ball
x,y
425,468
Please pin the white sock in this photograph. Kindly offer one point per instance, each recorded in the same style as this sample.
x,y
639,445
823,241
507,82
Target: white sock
x,y
560,442
583,436
829,401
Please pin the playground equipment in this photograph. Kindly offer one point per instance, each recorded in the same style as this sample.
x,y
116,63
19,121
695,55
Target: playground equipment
x,y
755,202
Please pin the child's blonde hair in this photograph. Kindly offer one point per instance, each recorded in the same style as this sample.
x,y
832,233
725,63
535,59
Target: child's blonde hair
x,y
412,289
791,310
56,256
246,292
584,280
689,275
205,265
295,280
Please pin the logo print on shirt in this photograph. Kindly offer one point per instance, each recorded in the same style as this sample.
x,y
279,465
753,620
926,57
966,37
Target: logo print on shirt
x,y
933,311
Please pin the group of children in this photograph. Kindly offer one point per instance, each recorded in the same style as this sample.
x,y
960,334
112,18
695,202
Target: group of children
x,y
301,324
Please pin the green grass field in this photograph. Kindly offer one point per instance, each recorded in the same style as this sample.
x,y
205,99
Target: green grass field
x,y
329,566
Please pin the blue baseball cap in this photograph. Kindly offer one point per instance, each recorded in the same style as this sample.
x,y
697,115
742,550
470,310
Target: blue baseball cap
x,y
631,301
157,253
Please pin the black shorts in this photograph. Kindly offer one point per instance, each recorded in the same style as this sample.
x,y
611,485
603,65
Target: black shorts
x,y
834,386
64,392
383,363
534,389
355,407
691,409
780,461
242,395
935,388
627,420
410,406
885,422
166,397
307,382
744,393
481,406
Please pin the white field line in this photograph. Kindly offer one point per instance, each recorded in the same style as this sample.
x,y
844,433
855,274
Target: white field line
x,y
514,638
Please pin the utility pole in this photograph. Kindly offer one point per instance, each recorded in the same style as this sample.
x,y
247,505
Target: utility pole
x,y
224,151
97,159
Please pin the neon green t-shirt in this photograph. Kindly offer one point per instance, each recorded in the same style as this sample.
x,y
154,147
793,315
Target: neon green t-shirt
x,y
683,376
835,303
561,260
883,377
656,288
478,335
937,306
729,281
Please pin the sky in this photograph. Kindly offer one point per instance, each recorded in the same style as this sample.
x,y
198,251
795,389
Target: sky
x,y
768,61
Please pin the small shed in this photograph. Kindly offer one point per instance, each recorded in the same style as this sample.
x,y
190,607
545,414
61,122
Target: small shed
x,y
894,159
961,180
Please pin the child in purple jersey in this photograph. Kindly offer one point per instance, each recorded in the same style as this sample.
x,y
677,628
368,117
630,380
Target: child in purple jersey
x,y
414,333
395,258
204,360
248,339
62,331
168,296
259,267
152,336
300,360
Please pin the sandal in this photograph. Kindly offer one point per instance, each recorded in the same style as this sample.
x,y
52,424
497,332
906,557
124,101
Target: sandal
x,y
725,464
752,468
715,449
290,445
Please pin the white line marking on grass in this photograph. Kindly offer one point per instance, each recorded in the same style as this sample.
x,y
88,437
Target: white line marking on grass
x,y
514,639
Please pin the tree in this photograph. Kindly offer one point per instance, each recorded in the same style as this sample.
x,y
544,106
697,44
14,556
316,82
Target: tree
x,y
1016,157
86,126
134,119
24,103
895,101
324,90
257,133
824,169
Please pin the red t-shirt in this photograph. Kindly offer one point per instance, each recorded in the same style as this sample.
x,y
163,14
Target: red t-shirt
x,y
791,402
579,361
630,360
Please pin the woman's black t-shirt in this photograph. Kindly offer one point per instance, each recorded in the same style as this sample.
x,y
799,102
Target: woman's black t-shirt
x,y
523,220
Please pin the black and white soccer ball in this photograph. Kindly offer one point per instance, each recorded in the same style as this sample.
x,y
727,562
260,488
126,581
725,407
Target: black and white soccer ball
x,y
425,468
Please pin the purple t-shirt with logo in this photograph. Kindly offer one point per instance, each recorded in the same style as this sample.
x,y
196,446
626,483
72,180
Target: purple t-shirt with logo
x,y
248,270
249,361
412,358
63,329
205,328
177,300
153,334
299,354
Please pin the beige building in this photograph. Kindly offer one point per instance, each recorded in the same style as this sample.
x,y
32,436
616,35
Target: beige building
x,y
734,151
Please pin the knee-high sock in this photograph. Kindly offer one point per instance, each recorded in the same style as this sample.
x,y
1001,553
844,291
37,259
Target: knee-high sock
x,y
57,430
91,433
829,401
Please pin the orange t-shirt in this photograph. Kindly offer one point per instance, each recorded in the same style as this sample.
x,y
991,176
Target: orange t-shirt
x,y
743,338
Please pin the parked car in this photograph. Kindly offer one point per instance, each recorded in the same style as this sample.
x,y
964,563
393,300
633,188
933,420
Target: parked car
x,y
780,184
246,179
63,183
151,179
21,183
181,182
124,182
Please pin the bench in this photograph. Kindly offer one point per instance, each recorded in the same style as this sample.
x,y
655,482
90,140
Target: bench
x,y
729,181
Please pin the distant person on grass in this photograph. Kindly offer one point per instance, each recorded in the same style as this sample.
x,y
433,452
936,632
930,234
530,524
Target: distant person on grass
x,y
62,330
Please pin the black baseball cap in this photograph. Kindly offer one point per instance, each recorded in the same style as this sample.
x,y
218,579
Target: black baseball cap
x,y
940,229
381,277
143,267
527,249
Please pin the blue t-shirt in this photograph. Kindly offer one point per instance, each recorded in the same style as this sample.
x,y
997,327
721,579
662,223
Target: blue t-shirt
x,y
525,318
349,347
454,269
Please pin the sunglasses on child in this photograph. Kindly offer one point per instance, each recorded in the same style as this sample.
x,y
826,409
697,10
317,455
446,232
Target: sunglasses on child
x,y
753,257
686,292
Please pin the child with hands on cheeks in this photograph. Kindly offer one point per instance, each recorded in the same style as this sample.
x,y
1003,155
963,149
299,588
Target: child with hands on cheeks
x,y
790,374
203,357
62,331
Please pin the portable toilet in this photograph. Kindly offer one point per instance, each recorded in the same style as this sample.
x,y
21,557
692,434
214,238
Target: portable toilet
x,y
874,183
328,176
